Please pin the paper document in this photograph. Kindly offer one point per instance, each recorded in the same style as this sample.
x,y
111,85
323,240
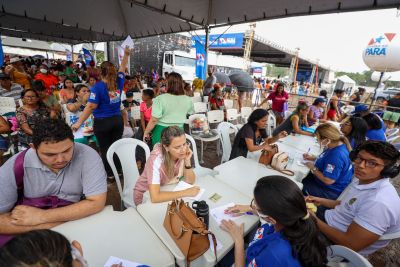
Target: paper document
x,y
219,244
219,213
303,162
183,185
114,260
128,42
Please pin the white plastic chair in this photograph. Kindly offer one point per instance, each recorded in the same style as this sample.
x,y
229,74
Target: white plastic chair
x,y
135,112
337,253
271,125
200,107
287,114
125,149
196,99
228,103
392,132
137,97
245,113
215,116
196,94
231,114
225,129
199,170
205,99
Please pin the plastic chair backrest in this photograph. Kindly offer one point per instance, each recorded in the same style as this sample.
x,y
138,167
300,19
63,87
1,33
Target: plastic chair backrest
x,y
135,112
200,107
196,94
224,131
194,150
246,111
195,116
196,99
7,102
137,97
125,149
215,116
271,125
205,99
352,257
231,114
228,103
287,114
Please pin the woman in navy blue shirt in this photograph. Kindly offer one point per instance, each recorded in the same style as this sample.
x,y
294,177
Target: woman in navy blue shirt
x,y
288,236
376,131
105,104
332,171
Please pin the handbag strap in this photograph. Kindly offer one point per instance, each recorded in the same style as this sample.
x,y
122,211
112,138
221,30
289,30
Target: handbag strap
x,y
284,171
19,173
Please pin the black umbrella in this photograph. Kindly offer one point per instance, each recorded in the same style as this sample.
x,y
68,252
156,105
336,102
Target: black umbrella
x,y
243,81
222,78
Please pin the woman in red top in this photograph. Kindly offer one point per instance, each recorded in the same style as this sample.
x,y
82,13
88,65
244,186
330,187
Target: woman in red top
x,y
279,97
217,99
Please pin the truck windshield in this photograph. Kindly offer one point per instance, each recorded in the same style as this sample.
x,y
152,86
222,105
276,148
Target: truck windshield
x,y
185,61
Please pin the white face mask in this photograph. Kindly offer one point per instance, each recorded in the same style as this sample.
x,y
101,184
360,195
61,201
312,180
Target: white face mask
x,y
261,217
44,71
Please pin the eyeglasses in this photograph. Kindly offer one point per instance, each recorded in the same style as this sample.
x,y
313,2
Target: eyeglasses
x,y
368,163
30,97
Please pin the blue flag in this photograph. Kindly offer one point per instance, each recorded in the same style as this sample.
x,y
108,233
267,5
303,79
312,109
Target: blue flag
x,y
88,56
200,60
1,53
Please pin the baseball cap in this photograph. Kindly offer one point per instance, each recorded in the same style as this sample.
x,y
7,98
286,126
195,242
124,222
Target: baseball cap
x,y
359,109
319,100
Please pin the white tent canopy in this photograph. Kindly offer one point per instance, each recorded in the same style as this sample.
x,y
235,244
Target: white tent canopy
x,y
78,21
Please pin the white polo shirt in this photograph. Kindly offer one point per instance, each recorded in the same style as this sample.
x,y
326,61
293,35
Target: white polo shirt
x,y
374,206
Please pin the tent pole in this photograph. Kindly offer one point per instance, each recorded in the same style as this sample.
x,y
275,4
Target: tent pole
x,y
376,88
207,29
72,51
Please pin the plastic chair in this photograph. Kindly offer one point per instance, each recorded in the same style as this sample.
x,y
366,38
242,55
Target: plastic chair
x,y
125,149
231,114
245,113
337,253
200,107
137,97
392,132
215,116
225,129
199,170
135,112
287,114
196,99
205,99
228,103
271,125
196,94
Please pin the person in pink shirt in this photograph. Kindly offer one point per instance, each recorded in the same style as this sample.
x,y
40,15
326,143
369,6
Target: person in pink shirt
x,y
145,107
279,97
169,163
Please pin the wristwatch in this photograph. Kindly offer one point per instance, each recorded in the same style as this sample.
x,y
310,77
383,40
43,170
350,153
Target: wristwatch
x,y
314,169
188,167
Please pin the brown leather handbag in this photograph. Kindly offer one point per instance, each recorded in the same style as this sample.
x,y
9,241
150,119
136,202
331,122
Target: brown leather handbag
x,y
188,231
267,155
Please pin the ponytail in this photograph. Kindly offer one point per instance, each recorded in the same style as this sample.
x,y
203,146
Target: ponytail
x,y
109,74
306,241
346,141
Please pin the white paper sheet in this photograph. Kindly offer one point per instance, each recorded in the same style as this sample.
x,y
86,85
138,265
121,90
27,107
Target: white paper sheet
x,y
219,213
79,133
114,260
128,42
183,185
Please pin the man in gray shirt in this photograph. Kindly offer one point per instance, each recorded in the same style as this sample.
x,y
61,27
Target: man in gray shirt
x,y
53,166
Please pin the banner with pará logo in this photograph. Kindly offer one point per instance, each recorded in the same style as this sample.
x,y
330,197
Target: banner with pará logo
x,y
200,60
87,55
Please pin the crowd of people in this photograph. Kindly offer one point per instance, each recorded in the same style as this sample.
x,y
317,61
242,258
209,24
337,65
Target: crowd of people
x,y
62,107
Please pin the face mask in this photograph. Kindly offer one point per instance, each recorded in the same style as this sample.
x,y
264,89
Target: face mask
x,y
262,218
44,71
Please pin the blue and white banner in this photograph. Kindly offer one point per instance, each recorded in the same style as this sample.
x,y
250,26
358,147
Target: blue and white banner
x,y
200,60
228,40
88,56
1,53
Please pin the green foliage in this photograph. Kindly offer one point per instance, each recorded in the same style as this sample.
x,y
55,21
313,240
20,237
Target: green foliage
x,y
364,79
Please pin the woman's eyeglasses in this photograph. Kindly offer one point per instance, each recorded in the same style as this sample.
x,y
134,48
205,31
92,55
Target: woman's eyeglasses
x,y
30,97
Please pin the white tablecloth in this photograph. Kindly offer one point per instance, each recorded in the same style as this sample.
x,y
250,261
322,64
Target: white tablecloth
x,y
154,214
242,174
121,234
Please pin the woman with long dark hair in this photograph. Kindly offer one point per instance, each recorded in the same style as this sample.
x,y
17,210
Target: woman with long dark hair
x,y
169,109
355,129
288,235
295,121
253,136
105,102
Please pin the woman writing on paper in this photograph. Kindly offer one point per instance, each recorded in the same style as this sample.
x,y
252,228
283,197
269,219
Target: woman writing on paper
x,y
288,236
169,162
295,122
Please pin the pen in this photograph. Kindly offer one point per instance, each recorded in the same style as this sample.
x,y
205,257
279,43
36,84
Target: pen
x,y
308,151
306,192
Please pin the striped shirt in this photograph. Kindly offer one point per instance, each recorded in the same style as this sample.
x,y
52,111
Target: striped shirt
x,y
14,92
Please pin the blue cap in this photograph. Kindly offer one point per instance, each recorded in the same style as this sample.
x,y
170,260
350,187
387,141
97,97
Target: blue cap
x,y
360,108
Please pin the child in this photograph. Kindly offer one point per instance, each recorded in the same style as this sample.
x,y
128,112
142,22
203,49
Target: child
x,y
145,107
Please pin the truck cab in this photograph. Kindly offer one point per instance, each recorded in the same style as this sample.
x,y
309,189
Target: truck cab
x,y
180,62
